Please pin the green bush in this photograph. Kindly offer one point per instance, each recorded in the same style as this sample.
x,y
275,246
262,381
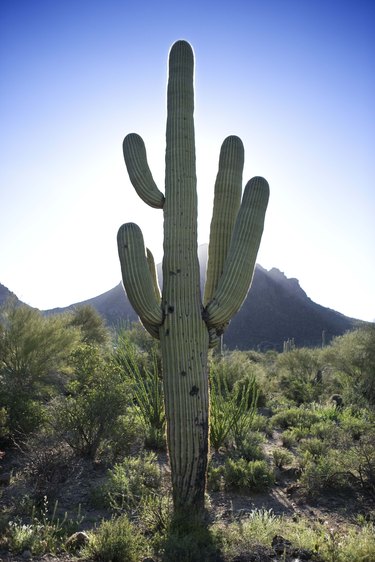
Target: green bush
x,y
316,447
297,371
143,374
347,544
247,475
130,482
97,398
288,439
33,348
281,458
116,540
352,358
324,472
295,417
126,435
249,447
231,410
44,533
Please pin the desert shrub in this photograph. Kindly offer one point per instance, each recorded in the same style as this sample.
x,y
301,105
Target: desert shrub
x,y
249,447
44,533
231,411
261,423
91,325
143,374
97,396
355,423
359,462
247,475
324,429
297,371
126,436
288,438
316,541
352,357
281,458
323,472
116,540
130,482
215,477
316,447
47,464
24,416
295,417
155,513
32,349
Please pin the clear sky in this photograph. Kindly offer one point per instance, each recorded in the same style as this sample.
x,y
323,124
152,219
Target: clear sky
x,y
293,78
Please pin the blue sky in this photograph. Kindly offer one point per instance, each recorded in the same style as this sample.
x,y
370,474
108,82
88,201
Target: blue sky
x,y
293,78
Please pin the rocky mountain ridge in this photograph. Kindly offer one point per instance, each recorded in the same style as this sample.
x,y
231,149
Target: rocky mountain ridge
x,y
276,309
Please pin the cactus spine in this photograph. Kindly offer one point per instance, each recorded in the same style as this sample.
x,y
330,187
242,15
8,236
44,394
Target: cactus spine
x,y
185,324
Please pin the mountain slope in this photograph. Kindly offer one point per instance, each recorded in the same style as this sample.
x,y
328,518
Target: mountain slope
x,y
7,295
275,309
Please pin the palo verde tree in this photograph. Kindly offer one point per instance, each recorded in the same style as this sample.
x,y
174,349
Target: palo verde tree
x,y
185,323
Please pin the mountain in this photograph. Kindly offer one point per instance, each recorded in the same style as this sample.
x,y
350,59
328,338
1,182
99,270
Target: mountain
x,y
276,309
7,295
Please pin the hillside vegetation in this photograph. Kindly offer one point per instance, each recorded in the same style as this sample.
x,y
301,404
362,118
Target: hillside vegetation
x,y
84,464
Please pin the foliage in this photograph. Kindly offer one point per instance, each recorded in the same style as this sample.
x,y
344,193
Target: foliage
x,y
231,412
48,464
83,418
130,482
115,540
298,374
240,474
345,464
44,533
146,387
282,458
261,527
333,451
352,356
33,348
91,325
295,417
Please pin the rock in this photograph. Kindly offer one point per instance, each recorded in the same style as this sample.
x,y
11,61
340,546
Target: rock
x,y
302,554
26,555
281,545
77,540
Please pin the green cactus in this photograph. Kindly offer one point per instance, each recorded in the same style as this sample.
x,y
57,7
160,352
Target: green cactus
x,y
185,323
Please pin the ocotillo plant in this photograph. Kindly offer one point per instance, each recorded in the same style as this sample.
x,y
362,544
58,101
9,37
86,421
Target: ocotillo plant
x,y
185,323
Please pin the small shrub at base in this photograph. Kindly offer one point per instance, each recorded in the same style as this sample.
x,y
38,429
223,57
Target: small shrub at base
x,y
116,540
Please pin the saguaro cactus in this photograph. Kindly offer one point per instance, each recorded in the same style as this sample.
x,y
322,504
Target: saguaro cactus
x,y
185,323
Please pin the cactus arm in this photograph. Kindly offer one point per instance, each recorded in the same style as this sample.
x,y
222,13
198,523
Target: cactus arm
x,y
227,200
239,267
139,172
136,275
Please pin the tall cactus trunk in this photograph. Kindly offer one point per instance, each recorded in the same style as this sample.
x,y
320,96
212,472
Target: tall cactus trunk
x,y
183,335
184,324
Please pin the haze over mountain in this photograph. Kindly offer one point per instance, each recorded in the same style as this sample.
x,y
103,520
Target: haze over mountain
x,y
276,309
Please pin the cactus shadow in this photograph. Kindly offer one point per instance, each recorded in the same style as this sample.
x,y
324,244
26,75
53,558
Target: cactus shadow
x,y
190,539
